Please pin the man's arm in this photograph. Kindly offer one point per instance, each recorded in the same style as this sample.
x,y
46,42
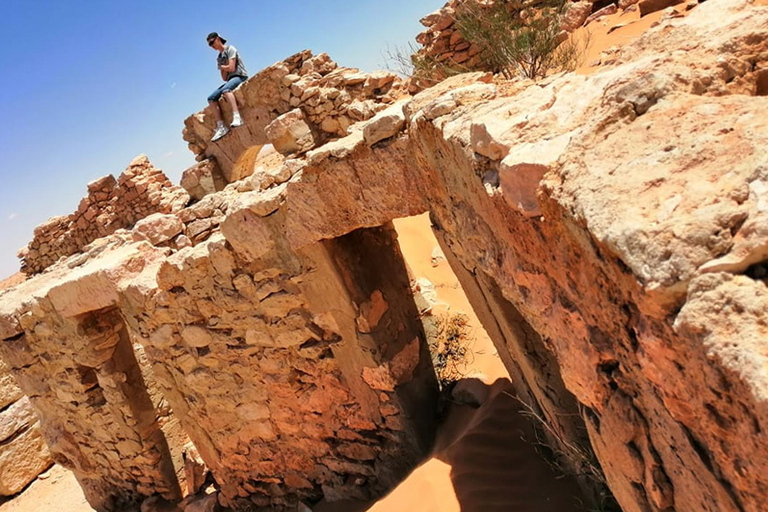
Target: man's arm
x,y
223,74
231,64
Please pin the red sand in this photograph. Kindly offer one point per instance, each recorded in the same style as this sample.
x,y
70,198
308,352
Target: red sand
x,y
10,282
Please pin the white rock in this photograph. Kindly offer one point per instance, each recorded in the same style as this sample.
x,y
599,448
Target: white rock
x,y
159,228
385,124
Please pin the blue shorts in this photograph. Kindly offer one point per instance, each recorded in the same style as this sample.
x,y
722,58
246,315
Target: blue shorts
x,y
229,85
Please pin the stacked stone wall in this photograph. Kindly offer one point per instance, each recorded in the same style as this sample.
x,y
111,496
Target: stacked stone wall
x,y
330,98
111,204
23,453
256,366
299,374
72,356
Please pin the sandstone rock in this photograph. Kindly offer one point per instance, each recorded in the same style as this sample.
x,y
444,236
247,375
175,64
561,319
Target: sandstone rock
x,y
340,148
437,257
159,228
17,417
22,460
111,205
631,313
9,391
521,172
649,6
202,179
605,11
371,312
195,470
576,14
385,124
470,391
290,133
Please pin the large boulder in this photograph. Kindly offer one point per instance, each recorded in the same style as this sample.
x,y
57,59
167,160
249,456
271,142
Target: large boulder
x,y
290,133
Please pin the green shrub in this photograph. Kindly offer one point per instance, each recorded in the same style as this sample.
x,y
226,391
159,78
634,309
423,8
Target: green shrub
x,y
520,38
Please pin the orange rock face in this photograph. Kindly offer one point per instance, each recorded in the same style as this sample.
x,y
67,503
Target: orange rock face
x,y
608,230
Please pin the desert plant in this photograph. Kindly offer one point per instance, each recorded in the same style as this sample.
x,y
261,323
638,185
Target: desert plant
x,y
520,38
449,344
407,61
554,447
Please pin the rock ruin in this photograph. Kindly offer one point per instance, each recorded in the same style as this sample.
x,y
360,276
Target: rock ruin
x,y
608,230
23,453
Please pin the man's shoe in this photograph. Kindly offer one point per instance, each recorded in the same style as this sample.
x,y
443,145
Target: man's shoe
x,y
219,133
236,121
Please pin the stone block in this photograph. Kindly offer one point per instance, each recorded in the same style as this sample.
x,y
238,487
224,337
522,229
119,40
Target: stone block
x,y
159,228
385,124
290,133
202,179
22,460
649,6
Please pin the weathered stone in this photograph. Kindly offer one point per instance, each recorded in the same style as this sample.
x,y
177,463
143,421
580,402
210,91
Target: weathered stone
x,y
202,179
576,14
385,124
17,417
22,460
290,133
139,191
649,6
605,11
158,228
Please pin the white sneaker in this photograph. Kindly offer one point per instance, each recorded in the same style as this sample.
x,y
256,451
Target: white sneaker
x,y
236,121
219,133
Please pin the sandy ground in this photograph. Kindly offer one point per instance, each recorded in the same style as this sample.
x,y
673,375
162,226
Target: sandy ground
x,y
483,458
56,490
10,282
614,30
417,244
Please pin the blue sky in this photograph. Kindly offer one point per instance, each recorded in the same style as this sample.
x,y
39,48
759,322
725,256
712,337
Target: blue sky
x,y
88,85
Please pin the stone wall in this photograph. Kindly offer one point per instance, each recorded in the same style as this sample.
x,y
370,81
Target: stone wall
x,y
72,356
327,97
298,375
634,328
443,43
23,453
111,204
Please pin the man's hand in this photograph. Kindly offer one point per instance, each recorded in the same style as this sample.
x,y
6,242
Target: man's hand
x,y
229,66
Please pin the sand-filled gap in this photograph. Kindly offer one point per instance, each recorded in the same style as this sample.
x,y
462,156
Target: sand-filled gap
x,y
488,454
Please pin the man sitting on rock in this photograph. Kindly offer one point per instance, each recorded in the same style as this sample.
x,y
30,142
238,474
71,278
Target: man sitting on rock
x,y
233,73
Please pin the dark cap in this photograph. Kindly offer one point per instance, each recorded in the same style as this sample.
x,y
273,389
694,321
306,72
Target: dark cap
x,y
213,36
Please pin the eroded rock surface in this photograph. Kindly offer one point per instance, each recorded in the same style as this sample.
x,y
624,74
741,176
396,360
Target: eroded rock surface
x,y
23,453
607,229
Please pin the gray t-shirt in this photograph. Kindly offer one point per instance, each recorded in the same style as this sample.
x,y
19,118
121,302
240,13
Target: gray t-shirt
x,y
230,52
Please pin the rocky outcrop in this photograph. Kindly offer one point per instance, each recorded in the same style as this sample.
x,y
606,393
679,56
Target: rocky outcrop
x,y
323,99
608,231
111,204
23,453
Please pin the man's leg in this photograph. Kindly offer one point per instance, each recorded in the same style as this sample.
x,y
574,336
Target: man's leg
x,y
213,101
230,96
216,110
236,119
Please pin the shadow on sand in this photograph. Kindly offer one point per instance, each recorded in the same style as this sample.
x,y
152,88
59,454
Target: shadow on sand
x,y
494,464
